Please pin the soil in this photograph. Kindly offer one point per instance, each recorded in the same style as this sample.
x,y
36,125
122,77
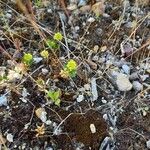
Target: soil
x,y
123,116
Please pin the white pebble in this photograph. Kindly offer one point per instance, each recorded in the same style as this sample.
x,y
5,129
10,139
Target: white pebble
x,y
9,137
44,71
92,128
91,19
80,98
104,101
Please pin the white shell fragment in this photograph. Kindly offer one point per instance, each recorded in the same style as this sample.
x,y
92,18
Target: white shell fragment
x,y
94,89
9,137
93,128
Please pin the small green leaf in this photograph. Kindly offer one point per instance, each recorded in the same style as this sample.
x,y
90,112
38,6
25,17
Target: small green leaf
x,y
50,94
57,102
52,44
56,94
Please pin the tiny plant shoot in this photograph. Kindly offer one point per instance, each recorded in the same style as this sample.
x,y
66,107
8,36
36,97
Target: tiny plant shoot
x,y
44,54
70,69
38,3
58,36
54,96
27,59
52,44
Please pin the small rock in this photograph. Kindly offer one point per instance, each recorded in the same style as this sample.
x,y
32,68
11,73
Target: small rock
x,y
105,117
49,10
87,87
3,100
126,69
95,58
44,71
103,48
82,3
48,122
80,98
37,59
123,82
104,101
8,15
91,19
96,48
137,86
41,114
76,28
148,144
134,76
92,128
9,137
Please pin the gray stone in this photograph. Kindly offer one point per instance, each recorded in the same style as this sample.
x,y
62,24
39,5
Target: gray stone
x,y
82,3
123,82
3,100
148,144
137,86
126,69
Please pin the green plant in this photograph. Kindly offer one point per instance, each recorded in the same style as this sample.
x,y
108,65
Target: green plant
x,y
3,78
27,59
52,44
70,69
54,96
44,54
38,3
58,36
